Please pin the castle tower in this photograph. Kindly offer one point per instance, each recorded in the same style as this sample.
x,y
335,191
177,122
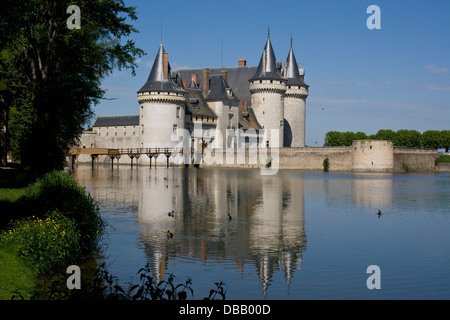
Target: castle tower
x,y
162,106
268,87
294,103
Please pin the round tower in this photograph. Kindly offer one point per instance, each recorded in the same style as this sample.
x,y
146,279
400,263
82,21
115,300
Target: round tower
x,y
294,103
162,106
268,87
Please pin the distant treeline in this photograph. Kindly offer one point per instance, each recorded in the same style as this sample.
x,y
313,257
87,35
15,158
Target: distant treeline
x,y
433,139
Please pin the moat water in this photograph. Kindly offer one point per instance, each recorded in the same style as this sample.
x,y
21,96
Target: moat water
x,y
296,235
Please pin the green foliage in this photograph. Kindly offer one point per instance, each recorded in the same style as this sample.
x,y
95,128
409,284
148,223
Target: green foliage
x,y
218,291
408,138
432,139
385,134
401,138
326,165
54,74
445,139
15,274
59,191
150,289
49,244
333,139
443,159
104,287
337,139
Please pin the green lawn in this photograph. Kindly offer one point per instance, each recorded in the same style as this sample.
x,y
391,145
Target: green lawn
x,y
15,275
8,205
11,195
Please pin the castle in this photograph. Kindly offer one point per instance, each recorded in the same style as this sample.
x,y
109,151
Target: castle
x,y
245,108
266,104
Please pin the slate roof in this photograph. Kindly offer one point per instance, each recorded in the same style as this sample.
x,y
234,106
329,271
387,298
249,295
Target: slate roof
x,y
267,68
247,119
237,79
196,104
293,74
117,121
218,89
156,81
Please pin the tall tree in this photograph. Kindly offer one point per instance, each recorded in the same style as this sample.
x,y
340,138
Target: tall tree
x,y
385,134
408,138
445,140
333,139
432,139
55,72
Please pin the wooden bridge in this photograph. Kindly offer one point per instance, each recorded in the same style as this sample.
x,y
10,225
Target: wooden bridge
x,y
133,153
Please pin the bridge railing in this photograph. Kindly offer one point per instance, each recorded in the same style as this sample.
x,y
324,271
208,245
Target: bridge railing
x,y
148,151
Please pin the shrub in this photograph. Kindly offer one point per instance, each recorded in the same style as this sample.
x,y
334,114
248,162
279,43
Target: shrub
x,y
59,191
442,159
48,243
326,165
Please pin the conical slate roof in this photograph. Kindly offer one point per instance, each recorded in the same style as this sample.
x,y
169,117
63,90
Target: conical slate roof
x,y
218,89
267,68
293,74
156,80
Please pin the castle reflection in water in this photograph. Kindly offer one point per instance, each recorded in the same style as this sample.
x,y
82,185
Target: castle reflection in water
x,y
267,225
267,215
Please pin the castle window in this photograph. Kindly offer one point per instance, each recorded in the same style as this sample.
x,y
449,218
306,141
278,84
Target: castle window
x,y
124,131
178,112
115,131
175,127
142,129
99,131
134,131
107,131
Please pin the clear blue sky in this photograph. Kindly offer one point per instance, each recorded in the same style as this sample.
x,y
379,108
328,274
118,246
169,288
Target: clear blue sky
x,y
397,77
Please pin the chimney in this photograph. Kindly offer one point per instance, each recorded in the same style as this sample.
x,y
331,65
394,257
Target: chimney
x,y
185,84
166,65
205,82
225,75
242,63
194,78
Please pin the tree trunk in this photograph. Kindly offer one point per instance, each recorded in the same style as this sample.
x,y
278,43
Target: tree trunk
x,y
5,100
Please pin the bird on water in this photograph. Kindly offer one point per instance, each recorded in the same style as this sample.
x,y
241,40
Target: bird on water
x,y
169,234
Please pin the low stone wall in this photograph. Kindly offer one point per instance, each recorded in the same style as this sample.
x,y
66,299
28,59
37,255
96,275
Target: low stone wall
x,y
443,167
340,159
414,160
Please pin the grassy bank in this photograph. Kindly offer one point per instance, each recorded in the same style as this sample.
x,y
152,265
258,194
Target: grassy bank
x,y
443,159
48,225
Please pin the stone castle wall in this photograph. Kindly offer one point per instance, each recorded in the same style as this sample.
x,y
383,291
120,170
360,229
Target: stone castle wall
x,y
363,156
414,160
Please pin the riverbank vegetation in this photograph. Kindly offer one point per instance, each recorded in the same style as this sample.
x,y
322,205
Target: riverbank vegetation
x,y
53,223
443,159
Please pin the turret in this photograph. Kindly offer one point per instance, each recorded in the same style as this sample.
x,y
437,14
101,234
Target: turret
x,y
162,105
294,103
268,87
